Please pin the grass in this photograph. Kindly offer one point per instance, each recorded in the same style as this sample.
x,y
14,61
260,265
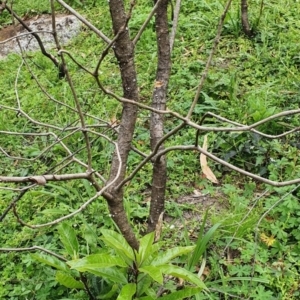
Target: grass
x,y
248,81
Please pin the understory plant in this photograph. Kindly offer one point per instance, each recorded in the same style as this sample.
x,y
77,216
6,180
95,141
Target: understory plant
x,y
116,271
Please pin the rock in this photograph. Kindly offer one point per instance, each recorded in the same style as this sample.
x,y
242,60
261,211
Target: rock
x,y
67,26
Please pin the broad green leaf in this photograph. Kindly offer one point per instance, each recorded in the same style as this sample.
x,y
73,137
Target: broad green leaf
x,y
170,254
201,245
112,274
68,281
153,255
145,249
68,237
182,294
119,244
99,260
144,285
154,272
51,261
182,273
90,235
109,295
127,291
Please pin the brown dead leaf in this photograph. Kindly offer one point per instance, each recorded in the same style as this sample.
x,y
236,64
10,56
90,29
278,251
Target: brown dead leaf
x,y
203,162
158,227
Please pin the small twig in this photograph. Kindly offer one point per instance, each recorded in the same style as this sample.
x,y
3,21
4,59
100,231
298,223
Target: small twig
x,y
38,39
142,28
86,286
51,177
209,60
74,60
86,204
24,34
105,52
13,202
33,248
84,21
78,106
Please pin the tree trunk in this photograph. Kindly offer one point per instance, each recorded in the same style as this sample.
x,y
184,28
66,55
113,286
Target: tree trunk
x,y
244,18
159,100
124,52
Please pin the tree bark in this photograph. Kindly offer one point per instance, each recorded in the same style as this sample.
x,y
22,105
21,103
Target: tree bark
x,y
159,99
244,18
124,52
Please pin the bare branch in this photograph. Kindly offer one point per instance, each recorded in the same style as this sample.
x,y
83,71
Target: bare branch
x,y
208,62
85,205
43,50
146,22
33,248
251,175
24,34
37,179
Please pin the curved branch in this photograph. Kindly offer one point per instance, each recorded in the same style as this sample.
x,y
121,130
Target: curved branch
x,y
85,205
208,63
38,39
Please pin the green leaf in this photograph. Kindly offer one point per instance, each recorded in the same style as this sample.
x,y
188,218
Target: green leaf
x,y
52,211
111,293
69,239
89,235
184,293
99,260
119,244
112,274
68,281
51,261
170,254
144,286
127,292
154,272
152,255
201,245
182,273
145,249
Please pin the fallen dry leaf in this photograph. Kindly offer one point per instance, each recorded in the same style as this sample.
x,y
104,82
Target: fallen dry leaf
x,y
158,227
203,162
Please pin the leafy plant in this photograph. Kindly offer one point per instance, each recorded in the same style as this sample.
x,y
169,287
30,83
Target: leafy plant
x,y
127,273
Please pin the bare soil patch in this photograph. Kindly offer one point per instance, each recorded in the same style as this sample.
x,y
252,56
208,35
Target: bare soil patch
x,y
194,206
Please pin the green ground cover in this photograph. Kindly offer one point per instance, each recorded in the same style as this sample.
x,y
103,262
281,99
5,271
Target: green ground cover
x,y
250,255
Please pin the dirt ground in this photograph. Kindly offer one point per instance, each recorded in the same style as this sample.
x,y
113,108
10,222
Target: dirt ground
x,y
193,209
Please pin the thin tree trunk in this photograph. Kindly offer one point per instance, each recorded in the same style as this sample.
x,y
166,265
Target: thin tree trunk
x,y
244,18
124,52
159,100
